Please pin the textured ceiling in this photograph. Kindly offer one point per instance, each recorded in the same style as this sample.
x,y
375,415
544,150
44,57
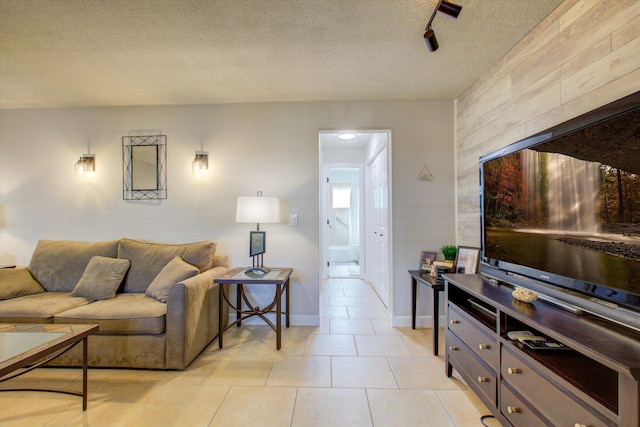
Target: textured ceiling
x,y
68,53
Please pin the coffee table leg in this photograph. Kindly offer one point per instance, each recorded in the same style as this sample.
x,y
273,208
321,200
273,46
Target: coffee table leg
x,y
85,352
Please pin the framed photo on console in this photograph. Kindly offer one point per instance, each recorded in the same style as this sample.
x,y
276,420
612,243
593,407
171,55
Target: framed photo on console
x,y
426,260
467,260
256,243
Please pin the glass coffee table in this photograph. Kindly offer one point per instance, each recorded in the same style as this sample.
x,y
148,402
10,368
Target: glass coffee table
x,y
25,347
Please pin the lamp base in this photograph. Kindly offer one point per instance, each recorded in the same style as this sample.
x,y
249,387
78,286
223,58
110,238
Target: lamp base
x,y
257,272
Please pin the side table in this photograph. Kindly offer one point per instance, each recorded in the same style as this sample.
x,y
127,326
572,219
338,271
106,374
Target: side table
x,y
418,276
279,277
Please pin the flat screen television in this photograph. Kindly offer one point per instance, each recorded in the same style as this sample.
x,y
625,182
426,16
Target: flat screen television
x,y
561,212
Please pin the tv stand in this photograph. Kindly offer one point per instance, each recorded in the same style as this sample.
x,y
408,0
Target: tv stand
x,y
593,382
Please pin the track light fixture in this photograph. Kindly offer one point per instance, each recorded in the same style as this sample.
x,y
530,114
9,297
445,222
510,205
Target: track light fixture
x,y
430,39
449,9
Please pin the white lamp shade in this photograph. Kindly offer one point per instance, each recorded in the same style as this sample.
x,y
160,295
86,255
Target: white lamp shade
x,y
257,209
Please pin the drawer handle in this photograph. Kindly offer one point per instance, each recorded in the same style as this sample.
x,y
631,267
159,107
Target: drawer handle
x,y
513,409
484,347
454,322
452,348
514,371
483,379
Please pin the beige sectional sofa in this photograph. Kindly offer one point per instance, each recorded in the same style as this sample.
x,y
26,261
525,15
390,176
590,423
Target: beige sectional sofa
x,y
156,304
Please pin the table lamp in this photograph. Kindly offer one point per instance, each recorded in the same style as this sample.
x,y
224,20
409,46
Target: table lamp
x,y
257,209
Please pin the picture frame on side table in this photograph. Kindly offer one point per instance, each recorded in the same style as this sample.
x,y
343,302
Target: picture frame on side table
x,y
467,260
426,260
256,243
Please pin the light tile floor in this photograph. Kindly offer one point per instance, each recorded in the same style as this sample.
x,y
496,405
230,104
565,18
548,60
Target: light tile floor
x,y
344,269
352,370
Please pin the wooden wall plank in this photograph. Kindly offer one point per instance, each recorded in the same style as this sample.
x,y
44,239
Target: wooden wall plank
x,y
626,33
585,54
619,63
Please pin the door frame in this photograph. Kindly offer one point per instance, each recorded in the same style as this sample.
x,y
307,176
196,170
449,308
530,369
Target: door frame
x,y
322,235
324,216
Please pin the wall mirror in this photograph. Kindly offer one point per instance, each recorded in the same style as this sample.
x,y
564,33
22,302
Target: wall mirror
x,y
144,172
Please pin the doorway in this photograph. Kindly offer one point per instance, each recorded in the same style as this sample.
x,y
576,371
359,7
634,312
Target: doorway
x,y
344,216
355,208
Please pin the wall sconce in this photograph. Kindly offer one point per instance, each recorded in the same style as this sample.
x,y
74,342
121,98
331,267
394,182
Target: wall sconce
x,y
201,162
449,9
87,163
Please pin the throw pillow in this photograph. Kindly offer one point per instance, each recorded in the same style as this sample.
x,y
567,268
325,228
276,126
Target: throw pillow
x,y
101,278
17,282
174,272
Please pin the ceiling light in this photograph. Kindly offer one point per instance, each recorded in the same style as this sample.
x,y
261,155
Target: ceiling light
x,y
347,136
430,40
449,9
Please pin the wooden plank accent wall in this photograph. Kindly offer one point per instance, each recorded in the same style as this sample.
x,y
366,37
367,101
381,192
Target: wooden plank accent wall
x,y
585,54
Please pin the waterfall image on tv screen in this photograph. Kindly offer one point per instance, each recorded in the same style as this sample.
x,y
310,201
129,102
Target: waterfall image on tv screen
x,y
570,206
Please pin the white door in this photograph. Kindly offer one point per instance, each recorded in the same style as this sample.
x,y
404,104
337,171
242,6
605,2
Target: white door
x,y
378,225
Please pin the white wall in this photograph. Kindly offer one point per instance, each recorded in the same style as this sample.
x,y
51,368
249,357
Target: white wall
x,y
268,147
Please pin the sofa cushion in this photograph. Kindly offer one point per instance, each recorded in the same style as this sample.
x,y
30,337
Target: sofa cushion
x,y
148,258
59,264
126,314
101,278
38,308
175,272
17,282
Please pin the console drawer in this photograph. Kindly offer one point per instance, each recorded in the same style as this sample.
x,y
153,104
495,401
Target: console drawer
x,y
516,410
480,377
554,404
473,335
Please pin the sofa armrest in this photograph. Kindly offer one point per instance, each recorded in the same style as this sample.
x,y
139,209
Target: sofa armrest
x,y
17,282
220,261
192,317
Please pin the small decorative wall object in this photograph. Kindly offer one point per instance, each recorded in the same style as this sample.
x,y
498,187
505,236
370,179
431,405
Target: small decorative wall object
x,y
144,166
425,174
